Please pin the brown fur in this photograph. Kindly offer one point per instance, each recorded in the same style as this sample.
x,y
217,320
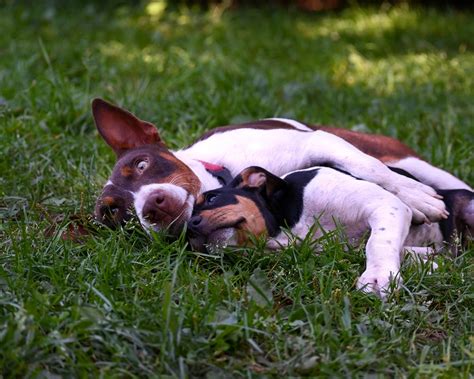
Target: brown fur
x,y
228,216
385,148
126,171
183,177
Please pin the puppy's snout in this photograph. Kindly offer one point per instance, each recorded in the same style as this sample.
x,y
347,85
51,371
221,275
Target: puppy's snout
x,y
196,236
195,221
196,226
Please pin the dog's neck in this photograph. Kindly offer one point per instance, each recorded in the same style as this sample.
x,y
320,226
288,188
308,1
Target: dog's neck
x,y
207,179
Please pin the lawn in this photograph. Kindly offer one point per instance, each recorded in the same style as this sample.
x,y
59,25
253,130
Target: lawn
x,y
118,303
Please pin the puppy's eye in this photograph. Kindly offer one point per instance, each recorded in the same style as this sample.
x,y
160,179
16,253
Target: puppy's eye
x,y
211,198
141,165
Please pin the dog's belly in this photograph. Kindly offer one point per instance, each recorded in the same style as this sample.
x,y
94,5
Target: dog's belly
x,y
321,225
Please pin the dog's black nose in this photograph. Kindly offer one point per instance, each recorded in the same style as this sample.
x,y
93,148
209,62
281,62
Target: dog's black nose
x,y
195,221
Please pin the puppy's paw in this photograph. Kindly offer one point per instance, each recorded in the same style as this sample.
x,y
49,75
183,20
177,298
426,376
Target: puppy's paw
x,y
423,200
278,242
378,282
273,244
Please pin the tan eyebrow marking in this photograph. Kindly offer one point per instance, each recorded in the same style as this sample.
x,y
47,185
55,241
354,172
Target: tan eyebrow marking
x,y
108,200
126,171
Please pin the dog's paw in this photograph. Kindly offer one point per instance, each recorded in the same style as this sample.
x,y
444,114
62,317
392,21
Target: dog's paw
x,y
379,282
278,243
423,200
273,245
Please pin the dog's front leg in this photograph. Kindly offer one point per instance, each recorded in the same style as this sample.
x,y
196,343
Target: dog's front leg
x,y
389,220
327,149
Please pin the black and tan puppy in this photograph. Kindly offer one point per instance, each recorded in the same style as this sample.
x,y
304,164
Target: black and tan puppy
x,y
259,203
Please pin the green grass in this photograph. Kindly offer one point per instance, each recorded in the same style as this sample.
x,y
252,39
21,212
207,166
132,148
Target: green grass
x,y
120,304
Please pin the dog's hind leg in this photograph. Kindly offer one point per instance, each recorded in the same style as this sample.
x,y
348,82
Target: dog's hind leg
x,y
323,148
429,174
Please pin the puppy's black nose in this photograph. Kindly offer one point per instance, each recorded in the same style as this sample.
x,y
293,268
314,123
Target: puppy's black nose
x,y
195,221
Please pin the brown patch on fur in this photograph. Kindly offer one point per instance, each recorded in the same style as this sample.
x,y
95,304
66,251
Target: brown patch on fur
x,y
463,214
254,222
386,149
183,176
200,199
244,217
126,171
261,125
108,200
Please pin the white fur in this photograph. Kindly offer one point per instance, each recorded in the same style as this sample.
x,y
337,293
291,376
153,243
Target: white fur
x,y
429,174
178,194
333,198
295,124
222,238
283,150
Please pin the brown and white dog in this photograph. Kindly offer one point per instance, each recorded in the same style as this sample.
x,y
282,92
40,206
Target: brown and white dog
x,y
162,185
317,200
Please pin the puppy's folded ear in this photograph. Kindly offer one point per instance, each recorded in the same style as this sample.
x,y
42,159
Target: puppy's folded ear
x,y
121,129
258,177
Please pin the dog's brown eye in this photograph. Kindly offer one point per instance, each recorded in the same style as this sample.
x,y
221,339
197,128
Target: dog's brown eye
x,y
142,165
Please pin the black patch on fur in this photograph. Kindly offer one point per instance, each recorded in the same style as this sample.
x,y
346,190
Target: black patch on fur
x,y
456,201
223,176
282,209
402,172
218,198
287,204
224,196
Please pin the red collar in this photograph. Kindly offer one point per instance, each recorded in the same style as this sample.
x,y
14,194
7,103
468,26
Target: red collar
x,y
211,166
222,174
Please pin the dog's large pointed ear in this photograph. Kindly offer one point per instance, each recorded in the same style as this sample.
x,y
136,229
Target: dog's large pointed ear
x,y
258,177
121,129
